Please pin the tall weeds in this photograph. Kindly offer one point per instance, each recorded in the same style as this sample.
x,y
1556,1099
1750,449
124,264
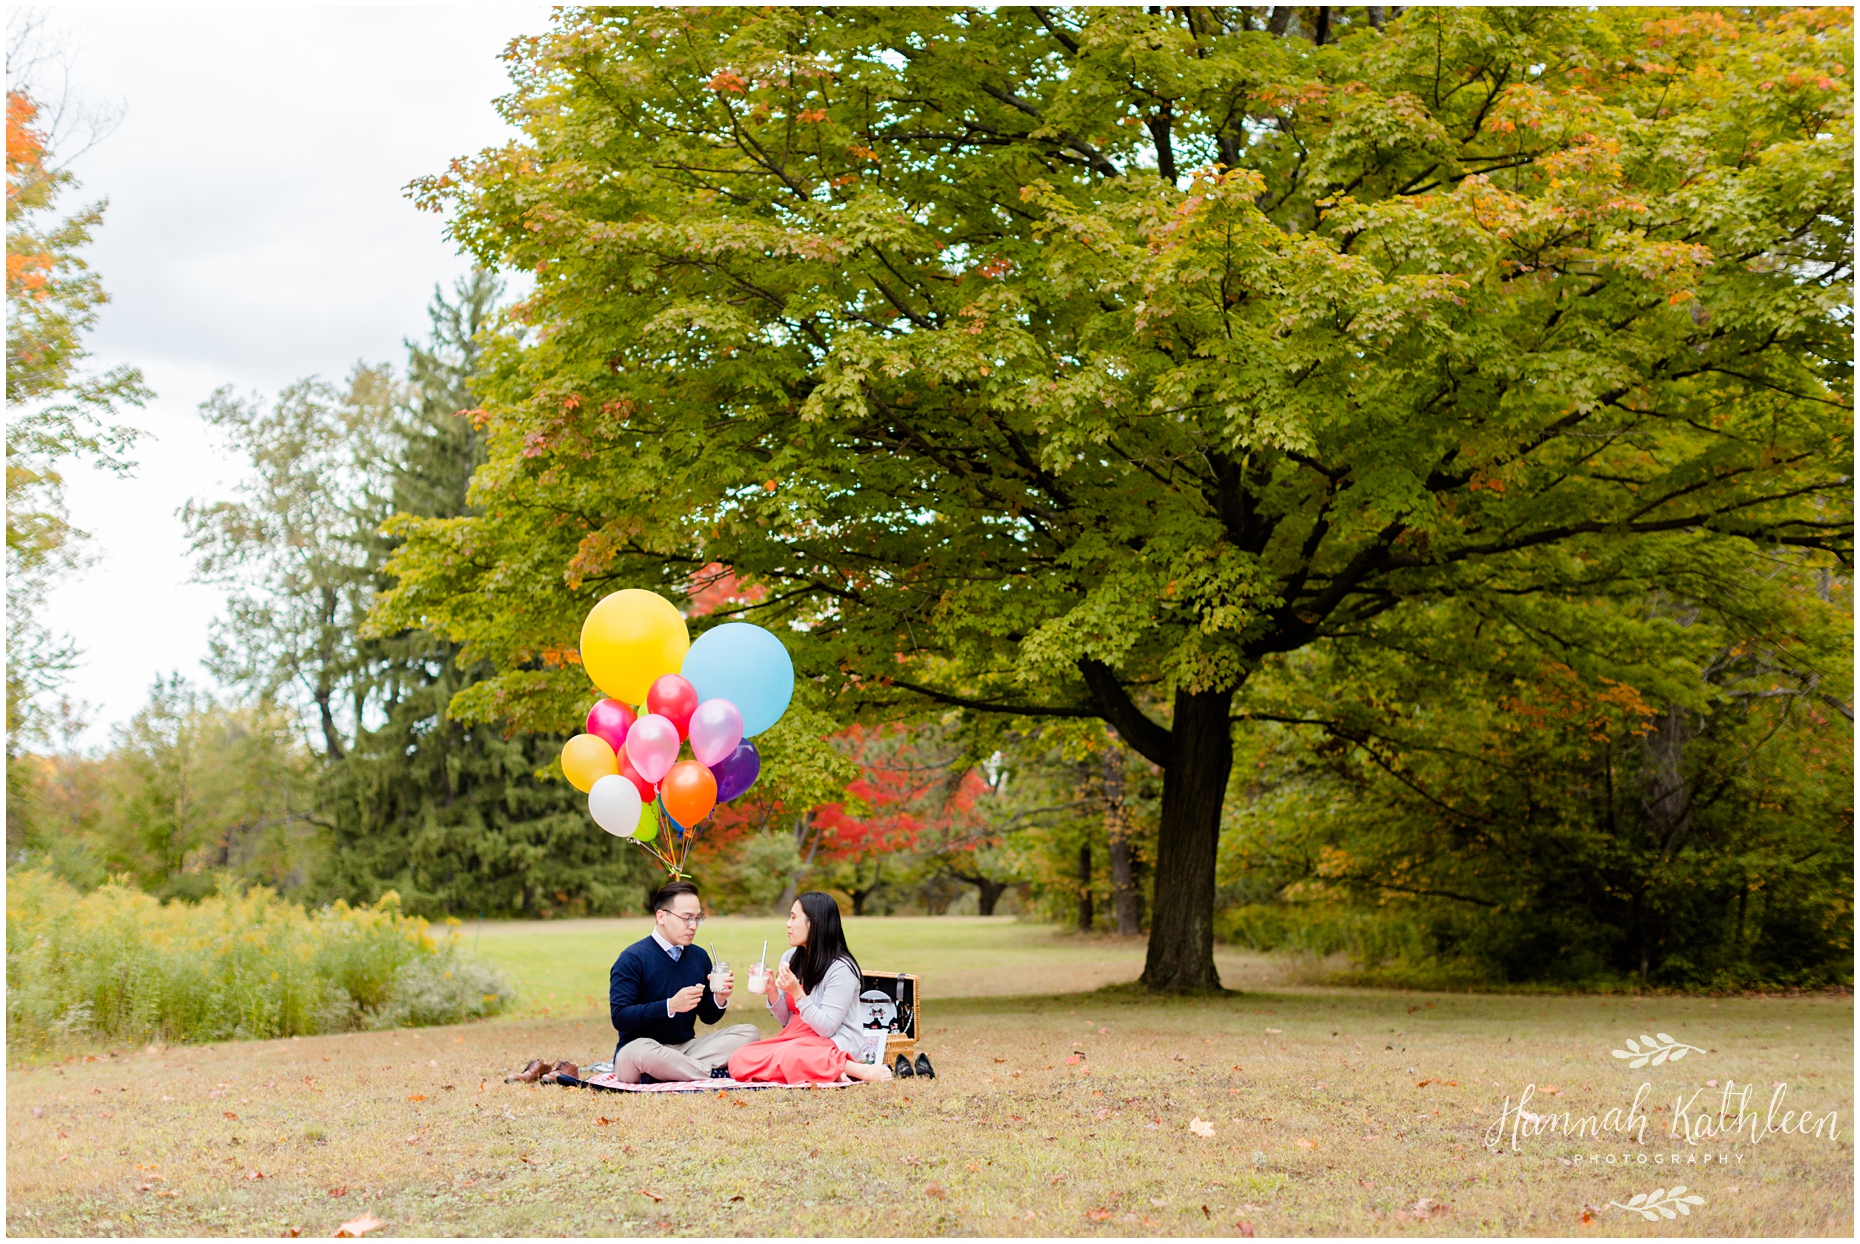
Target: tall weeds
x,y
118,963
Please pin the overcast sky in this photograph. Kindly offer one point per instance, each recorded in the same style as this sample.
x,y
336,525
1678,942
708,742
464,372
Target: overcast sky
x,y
257,232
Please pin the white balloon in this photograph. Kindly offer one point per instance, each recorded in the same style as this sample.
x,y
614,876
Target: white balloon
x,y
615,805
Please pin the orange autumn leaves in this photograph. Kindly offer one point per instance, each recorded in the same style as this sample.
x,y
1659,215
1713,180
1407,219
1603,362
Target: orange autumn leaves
x,y
29,185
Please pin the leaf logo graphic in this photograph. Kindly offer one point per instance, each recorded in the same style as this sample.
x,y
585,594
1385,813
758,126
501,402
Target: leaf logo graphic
x,y
1661,1203
1655,1050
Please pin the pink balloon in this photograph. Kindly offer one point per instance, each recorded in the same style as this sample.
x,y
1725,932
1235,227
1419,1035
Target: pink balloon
x,y
610,720
716,729
652,744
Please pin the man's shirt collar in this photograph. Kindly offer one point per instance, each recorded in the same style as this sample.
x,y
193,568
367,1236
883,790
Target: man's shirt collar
x,y
674,951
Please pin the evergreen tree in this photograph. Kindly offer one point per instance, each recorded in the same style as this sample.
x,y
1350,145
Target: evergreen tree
x,y
454,815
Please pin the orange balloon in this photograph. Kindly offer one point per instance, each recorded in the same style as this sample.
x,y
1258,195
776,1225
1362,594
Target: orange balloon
x,y
689,792
586,759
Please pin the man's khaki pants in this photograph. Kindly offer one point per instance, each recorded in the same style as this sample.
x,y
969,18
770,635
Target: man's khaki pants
x,y
688,1060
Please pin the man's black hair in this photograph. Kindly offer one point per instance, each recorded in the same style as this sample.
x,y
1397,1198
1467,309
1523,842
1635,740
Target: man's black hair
x,y
662,900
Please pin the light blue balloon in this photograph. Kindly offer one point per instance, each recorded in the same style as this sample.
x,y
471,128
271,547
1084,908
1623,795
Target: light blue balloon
x,y
746,665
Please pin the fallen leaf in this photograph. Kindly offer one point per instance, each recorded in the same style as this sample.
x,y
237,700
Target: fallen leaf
x,y
648,1192
358,1226
603,1121
935,1190
38,1112
737,1197
1056,1180
290,1233
1306,1144
417,1097
1001,1060
1073,1060
1201,1127
338,1191
1096,1215
255,1174
1275,1031
1158,1202
1427,1207
1245,1229
229,1114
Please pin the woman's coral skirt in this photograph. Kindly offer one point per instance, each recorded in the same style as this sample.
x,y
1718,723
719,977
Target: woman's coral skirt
x,y
795,1055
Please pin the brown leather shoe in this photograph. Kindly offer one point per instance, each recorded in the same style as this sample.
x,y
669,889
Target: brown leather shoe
x,y
532,1071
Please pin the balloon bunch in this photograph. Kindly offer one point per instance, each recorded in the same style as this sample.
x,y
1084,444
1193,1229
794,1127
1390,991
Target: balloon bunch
x,y
733,683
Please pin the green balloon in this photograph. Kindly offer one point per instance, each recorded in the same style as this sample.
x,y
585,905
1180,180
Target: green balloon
x,y
648,827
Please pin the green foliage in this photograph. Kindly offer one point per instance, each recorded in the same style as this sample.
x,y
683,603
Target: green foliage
x,y
119,964
1081,362
56,413
1466,805
192,790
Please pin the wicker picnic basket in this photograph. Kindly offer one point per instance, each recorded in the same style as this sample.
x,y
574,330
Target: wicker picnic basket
x,y
902,988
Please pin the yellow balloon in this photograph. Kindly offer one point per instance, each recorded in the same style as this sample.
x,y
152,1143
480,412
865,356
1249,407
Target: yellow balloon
x,y
586,759
630,638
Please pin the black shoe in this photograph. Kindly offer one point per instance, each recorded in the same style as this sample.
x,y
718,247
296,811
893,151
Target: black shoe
x,y
924,1068
720,1073
902,1068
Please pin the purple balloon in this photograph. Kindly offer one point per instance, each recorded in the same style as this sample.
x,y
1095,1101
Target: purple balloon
x,y
737,772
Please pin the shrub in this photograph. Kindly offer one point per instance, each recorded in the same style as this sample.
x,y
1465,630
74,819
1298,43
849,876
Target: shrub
x,y
121,964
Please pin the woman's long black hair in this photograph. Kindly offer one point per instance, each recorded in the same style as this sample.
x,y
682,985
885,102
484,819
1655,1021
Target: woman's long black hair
x,y
826,941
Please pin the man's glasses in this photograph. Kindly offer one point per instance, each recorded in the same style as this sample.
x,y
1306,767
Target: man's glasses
x,y
693,921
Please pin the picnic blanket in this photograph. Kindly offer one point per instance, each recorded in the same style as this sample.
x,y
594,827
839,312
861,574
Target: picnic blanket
x,y
606,1082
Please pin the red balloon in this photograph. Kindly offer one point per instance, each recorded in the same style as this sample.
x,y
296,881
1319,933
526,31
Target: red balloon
x,y
674,699
648,791
689,792
610,720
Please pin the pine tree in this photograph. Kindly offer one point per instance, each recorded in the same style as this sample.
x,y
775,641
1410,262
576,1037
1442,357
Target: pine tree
x,y
453,815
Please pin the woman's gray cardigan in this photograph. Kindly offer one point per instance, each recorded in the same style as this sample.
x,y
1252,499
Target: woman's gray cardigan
x,y
830,1010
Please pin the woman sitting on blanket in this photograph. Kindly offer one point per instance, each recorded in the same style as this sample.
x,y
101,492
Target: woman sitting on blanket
x,y
814,995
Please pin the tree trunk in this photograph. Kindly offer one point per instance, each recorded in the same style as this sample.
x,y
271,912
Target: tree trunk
x,y
1201,755
991,892
1085,888
860,895
1125,896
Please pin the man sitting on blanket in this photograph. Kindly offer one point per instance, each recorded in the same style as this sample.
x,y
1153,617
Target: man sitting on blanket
x,y
659,989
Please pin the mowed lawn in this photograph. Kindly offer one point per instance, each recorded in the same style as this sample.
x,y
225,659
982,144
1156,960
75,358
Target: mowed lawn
x,y
560,966
1330,1111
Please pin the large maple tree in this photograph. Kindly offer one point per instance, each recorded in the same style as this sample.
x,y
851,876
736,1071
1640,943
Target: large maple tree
x,y
1075,363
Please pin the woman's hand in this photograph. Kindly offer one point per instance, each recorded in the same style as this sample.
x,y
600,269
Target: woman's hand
x,y
788,982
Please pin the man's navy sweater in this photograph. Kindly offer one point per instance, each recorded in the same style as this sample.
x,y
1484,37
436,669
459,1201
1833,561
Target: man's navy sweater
x,y
643,977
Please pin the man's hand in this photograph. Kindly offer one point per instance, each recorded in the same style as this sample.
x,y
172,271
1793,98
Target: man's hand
x,y
685,999
723,995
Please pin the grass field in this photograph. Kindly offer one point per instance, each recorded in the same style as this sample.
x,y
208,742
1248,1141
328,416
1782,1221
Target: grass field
x,y
1331,1112
560,966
